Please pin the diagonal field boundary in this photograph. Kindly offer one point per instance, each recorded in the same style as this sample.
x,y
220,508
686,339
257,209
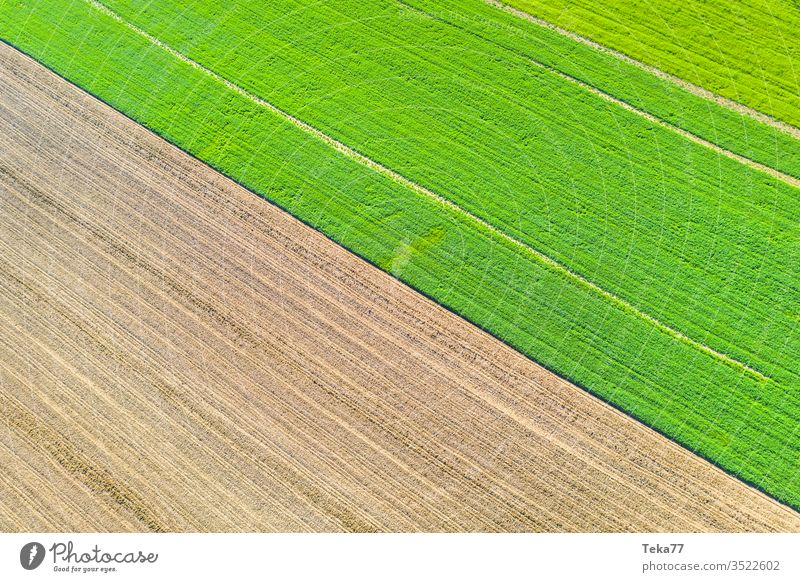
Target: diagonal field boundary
x,y
691,87
400,179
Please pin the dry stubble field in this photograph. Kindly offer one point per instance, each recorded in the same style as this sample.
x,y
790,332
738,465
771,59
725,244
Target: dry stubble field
x,y
180,355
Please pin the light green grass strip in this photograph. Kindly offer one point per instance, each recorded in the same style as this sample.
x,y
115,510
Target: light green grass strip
x,y
757,116
747,51
734,127
692,88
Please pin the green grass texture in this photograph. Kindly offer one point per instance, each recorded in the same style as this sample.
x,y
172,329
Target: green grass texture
x,y
748,51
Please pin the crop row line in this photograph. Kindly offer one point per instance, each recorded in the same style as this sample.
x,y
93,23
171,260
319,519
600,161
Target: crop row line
x,y
353,154
790,180
691,87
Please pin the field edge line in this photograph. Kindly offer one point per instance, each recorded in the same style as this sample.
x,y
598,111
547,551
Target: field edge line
x,y
360,158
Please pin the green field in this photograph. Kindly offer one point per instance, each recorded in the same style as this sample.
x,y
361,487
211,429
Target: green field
x,y
603,191
747,51
663,99
422,37
679,233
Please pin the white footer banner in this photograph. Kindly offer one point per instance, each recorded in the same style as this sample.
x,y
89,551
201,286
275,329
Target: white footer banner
x,y
375,557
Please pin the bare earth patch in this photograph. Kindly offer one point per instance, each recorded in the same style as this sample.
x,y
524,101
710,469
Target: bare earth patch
x,y
177,354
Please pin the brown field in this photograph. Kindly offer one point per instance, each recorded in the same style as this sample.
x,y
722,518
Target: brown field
x,y
177,354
